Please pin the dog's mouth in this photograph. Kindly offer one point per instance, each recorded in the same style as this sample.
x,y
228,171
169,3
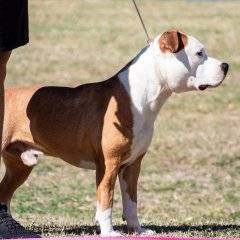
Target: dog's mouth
x,y
203,87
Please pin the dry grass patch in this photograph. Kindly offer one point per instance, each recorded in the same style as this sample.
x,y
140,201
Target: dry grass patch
x,y
190,180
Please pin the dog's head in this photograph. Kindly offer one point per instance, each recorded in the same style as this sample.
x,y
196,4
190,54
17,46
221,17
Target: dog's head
x,y
184,64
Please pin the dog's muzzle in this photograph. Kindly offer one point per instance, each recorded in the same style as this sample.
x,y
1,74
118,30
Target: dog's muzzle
x,y
224,67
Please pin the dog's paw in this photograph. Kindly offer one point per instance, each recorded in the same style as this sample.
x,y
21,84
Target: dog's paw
x,y
146,231
141,231
111,234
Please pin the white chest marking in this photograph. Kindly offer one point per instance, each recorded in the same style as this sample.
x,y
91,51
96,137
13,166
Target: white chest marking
x,y
141,141
143,84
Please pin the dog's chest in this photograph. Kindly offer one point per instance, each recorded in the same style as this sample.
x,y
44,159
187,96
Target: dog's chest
x,y
141,140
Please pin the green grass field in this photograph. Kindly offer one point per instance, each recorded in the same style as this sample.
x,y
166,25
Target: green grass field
x,y
190,178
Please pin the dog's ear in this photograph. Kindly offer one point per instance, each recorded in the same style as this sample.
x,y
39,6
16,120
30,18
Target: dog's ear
x,y
172,41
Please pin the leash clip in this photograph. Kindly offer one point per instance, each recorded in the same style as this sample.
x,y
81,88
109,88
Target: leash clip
x,y
149,40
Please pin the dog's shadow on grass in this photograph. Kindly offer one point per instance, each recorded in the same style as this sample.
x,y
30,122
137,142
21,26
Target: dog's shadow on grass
x,y
191,228
77,230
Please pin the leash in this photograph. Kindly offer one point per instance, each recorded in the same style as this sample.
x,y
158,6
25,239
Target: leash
x,y
149,40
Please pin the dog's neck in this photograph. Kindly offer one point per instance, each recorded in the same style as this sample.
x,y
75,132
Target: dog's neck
x,y
144,82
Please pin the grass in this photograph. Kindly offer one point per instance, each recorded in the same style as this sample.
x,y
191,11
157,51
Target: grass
x,y
190,178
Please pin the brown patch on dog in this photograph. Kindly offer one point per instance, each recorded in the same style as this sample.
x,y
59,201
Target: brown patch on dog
x,y
172,41
92,122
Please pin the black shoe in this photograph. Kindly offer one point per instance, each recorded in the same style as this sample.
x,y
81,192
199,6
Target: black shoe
x,y
10,228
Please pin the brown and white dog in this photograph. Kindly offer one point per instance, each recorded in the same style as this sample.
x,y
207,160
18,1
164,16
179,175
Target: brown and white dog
x,y
105,126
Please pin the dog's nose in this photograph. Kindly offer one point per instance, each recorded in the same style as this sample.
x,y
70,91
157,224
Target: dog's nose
x,y
224,67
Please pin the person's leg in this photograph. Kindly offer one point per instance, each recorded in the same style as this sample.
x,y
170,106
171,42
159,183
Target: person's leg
x,y
4,57
9,228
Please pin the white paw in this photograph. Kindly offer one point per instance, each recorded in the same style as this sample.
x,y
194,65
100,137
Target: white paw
x,y
142,231
146,231
111,234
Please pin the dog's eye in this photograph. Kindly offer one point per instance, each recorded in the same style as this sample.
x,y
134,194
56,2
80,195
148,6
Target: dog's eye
x,y
200,53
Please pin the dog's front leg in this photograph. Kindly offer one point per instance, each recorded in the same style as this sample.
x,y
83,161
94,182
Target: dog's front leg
x,y
128,178
105,179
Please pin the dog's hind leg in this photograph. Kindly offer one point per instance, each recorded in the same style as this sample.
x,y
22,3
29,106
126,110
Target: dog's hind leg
x,y
16,174
128,178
